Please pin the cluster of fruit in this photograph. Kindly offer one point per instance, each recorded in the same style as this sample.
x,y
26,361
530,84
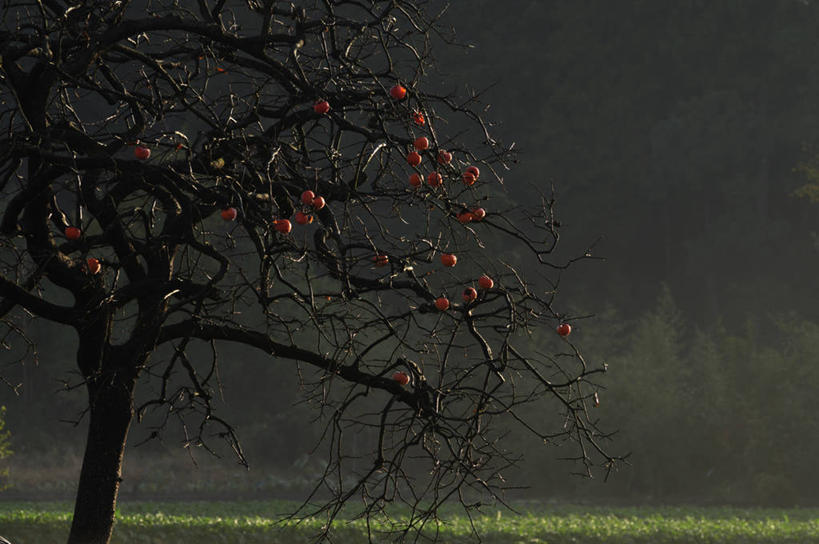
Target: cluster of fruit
x,y
469,294
398,92
434,178
311,202
93,266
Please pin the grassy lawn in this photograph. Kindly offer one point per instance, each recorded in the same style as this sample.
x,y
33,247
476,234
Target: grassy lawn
x,y
258,523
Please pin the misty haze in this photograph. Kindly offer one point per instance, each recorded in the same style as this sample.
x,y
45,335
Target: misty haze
x,y
404,271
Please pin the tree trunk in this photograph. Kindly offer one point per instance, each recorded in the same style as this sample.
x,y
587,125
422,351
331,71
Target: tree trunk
x,y
110,381
111,412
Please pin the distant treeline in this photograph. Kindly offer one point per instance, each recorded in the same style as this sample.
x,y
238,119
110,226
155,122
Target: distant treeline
x,y
711,413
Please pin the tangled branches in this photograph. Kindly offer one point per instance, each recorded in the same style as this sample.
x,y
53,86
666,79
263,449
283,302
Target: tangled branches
x,y
279,176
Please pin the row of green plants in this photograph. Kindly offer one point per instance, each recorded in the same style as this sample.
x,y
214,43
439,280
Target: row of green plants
x,y
260,522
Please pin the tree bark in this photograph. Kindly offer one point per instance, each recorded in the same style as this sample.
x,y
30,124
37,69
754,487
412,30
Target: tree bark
x,y
111,407
111,413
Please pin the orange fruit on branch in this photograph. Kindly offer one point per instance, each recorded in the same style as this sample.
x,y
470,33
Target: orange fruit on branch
x,y
94,265
307,197
398,92
421,143
283,225
401,377
449,260
470,294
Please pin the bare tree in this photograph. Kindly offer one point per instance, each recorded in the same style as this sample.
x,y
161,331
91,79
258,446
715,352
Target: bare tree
x,y
280,176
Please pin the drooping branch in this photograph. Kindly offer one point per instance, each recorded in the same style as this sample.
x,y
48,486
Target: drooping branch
x,y
261,341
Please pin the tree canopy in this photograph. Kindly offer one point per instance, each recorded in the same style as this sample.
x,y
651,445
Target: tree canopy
x,y
282,176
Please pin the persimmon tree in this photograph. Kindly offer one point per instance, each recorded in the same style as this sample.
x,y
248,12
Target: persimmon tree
x,y
281,176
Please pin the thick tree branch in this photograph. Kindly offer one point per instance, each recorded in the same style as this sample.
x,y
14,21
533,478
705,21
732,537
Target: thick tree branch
x,y
16,295
261,341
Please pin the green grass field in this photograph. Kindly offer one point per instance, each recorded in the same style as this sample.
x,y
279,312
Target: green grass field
x,y
258,523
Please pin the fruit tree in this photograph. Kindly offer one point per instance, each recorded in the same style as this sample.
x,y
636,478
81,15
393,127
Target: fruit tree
x,y
280,175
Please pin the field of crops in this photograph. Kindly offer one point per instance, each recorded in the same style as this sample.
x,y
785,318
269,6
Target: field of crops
x,y
258,523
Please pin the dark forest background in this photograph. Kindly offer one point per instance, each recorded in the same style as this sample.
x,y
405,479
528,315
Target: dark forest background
x,y
683,135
